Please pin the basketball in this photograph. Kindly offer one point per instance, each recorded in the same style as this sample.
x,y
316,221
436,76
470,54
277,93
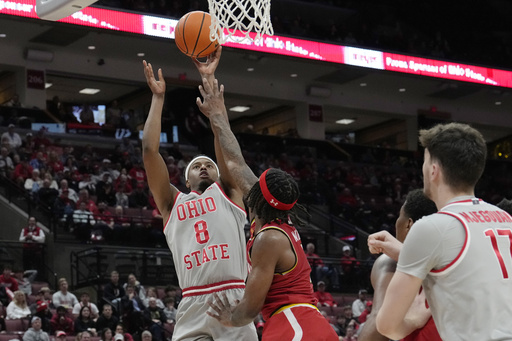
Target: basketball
x,y
193,35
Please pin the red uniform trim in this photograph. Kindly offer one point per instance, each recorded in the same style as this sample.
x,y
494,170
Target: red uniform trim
x,y
463,246
214,287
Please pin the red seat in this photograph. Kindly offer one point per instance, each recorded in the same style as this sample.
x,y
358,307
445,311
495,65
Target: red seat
x,y
10,337
17,325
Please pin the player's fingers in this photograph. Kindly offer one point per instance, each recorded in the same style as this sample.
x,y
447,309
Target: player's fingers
x,y
218,300
206,86
226,301
201,90
198,102
214,306
160,75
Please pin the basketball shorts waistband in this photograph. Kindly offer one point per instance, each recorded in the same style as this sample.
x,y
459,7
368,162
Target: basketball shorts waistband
x,y
214,287
293,305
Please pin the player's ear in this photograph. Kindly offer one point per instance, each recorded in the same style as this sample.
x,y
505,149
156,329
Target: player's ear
x,y
187,183
409,225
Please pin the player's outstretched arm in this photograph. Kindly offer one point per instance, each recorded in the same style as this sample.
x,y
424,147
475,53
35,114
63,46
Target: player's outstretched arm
x,y
156,169
236,174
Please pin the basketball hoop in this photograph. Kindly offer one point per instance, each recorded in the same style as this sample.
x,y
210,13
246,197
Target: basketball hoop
x,y
244,16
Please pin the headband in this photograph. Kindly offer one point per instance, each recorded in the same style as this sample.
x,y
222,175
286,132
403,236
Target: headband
x,y
194,160
271,200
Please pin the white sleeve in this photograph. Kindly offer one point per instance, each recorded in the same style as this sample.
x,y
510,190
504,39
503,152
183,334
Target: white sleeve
x,y
76,309
22,236
41,238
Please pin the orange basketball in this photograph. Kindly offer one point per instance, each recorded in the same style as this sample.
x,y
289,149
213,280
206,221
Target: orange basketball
x,y
193,35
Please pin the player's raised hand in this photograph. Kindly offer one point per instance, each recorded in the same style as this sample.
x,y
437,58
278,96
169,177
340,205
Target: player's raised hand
x,y
208,67
384,242
213,98
223,309
156,86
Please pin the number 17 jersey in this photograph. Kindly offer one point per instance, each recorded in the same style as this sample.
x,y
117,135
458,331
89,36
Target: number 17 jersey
x,y
463,253
205,233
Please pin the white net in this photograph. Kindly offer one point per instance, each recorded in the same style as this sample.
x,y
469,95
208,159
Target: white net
x,y
243,16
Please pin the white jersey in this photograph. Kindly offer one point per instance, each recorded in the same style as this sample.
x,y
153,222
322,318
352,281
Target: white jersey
x,y
464,255
205,233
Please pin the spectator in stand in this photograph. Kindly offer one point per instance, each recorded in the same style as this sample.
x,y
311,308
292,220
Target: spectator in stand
x,y
107,320
137,174
350,334
174,171
53,184
87,183
18,308
47,297
146,336
6,163
83,220
64,185
64,208
43,312
25,280
104,221
63,297
85,302
85,322
120,330
60,321
22,172
139,198
12,138
170,310
155,318
35,332
33,184
359,305
122,198
324,298
84,197
122,224
47,195
70,165
7,281
60,335
54,165
33,238
172,291
105,334
151,293
122,183
113,291
139,288
132,309
367,311
318,269
106,193
39,161
41,140
349,266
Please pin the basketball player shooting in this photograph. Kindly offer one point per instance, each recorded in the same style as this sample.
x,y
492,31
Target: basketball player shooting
x,y
204,229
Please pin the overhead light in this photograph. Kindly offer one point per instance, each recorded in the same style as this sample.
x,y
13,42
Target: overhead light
x,y
91,47
89,91
294,75
3,35
317,91
346,121
497,103
363,84
250,69
141,54
47,85
401,89
240,108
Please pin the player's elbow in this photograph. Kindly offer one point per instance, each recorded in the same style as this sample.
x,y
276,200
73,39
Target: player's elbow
x,y
385,327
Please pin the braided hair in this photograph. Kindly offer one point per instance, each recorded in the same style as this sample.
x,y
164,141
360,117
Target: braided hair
x,y
284,188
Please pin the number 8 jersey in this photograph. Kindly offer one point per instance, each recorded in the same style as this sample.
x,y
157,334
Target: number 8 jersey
x,y
463,253
205,233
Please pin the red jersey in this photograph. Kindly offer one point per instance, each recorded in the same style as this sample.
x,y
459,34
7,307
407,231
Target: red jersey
x,y
292,286
427,333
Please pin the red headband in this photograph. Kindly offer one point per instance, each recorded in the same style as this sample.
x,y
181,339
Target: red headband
x,y
270,198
